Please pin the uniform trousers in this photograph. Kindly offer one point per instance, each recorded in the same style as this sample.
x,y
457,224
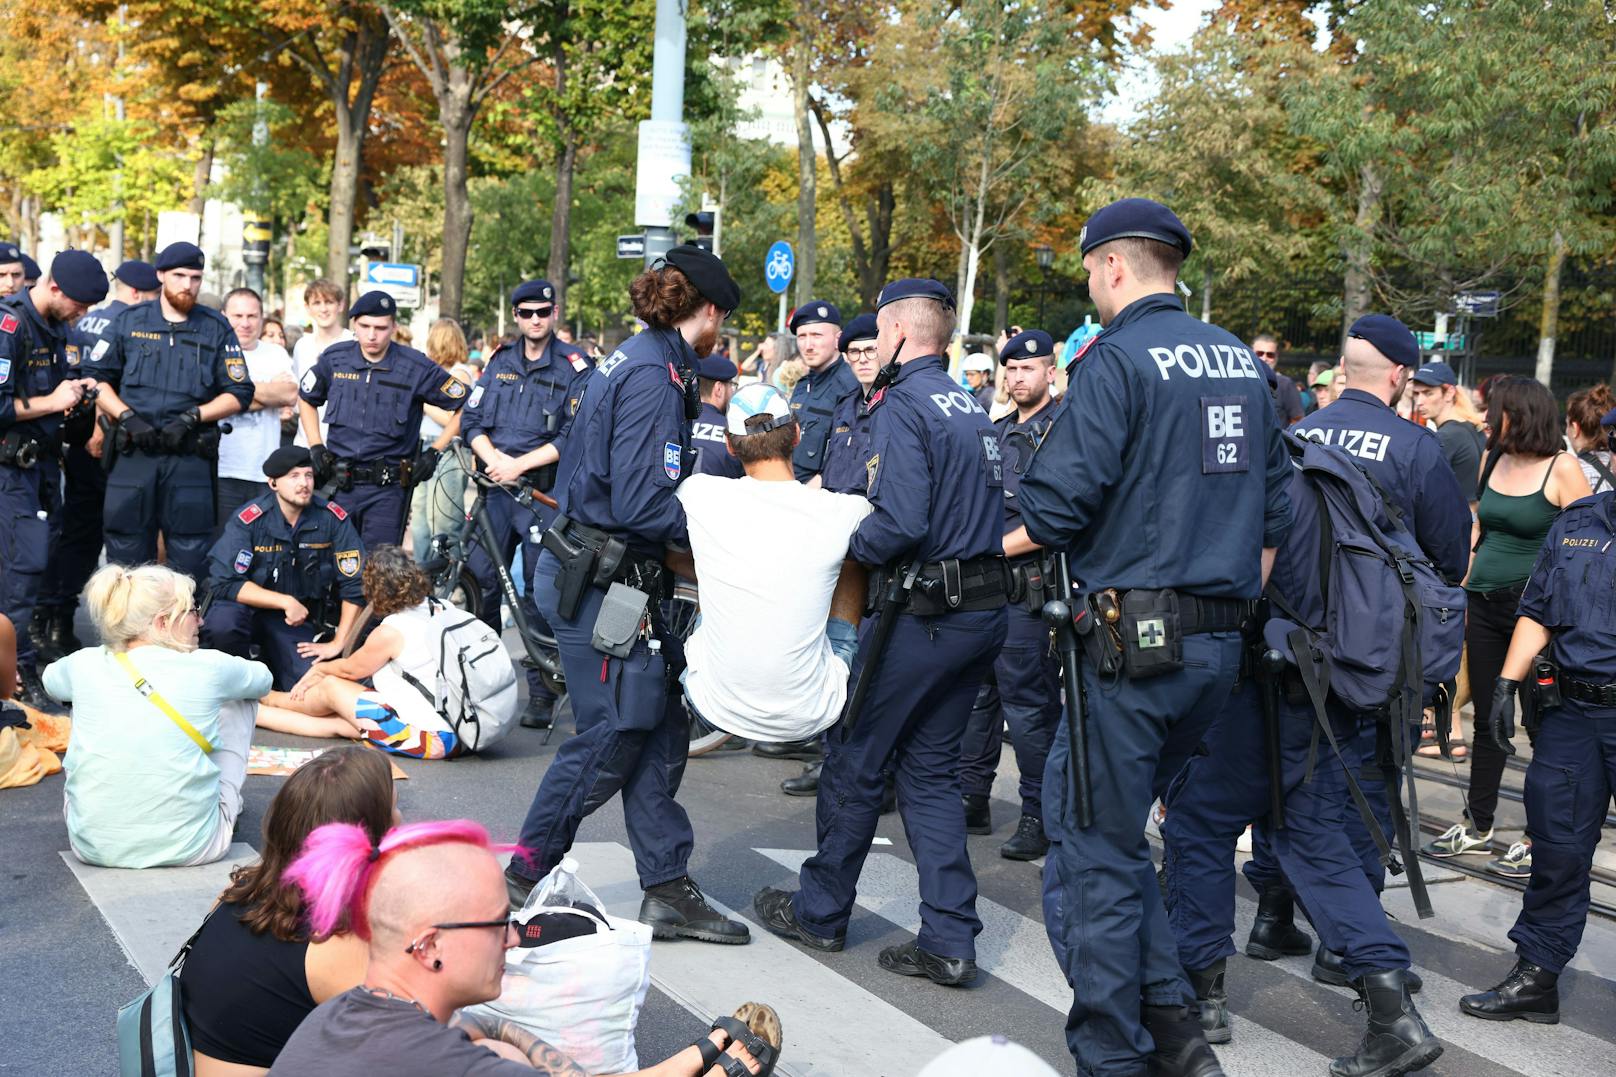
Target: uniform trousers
x,y
377,512
233,627
1022,691
510,522
28,516
77,552
168,493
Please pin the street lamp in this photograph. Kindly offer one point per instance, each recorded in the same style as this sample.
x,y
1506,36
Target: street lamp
x,y
1045,256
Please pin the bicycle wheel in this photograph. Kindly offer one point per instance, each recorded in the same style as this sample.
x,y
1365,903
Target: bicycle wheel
x,y
703,737
459,588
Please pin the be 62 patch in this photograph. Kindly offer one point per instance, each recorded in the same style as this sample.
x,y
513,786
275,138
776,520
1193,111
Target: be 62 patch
x,y
671,459
1225,435
243,561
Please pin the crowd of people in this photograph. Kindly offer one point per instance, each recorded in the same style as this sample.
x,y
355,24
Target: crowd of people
x,y
1109,553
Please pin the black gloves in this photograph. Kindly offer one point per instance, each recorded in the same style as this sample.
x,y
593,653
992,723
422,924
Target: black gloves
x,y
179,428
135,432
325,462
1501,722
426,462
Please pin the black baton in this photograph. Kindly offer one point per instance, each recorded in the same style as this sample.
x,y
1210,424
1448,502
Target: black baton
x,y
1058,614
891,605
1272,669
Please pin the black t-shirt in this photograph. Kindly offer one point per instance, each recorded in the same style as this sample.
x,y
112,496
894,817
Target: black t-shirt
x,y
244,993
1461,444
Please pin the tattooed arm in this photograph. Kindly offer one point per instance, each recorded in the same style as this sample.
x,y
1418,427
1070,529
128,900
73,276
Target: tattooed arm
x,y
540,1055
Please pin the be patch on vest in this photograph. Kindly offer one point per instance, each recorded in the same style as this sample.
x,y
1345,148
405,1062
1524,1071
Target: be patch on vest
x,y
1225,434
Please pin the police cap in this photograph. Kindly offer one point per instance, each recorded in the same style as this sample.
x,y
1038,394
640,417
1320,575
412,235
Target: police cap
x,y
1028,344
138,275
30,269
715,367
286,458
815,312
533,289
860,328
374,304
1134,218
79,276
179,256
9,253
708,273
1389,336
915,288
1436,373
1609,419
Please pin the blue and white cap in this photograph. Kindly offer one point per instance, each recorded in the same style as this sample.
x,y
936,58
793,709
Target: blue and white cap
x,y
757,399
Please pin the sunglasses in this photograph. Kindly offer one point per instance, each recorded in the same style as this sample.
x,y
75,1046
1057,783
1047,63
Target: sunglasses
x,y
1265,355
534,312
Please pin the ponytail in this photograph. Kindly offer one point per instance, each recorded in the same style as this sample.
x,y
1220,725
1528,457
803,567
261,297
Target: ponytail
x,y
125,603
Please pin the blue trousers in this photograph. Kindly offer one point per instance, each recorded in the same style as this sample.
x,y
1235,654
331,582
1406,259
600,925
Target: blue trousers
x,y
915,717
1102,906
1568,789
377,512
172,494
632,738
1023,691
1217,794
27,519
232,627
510,523
75,555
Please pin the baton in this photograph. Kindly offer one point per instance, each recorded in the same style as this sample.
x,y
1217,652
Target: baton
x,y
891,605
1057,613
1273,665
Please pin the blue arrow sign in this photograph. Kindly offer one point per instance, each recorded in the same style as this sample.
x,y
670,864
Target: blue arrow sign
x,y
398,274
779,266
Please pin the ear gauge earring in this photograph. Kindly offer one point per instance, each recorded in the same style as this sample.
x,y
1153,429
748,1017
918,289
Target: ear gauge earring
x,y
436,965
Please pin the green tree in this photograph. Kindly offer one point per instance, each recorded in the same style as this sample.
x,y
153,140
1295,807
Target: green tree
x,y
108,171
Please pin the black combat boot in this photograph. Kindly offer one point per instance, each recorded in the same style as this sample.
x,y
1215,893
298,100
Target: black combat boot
x,y
1181,1047
33,691
1329,968
39,630
63,638
540,712
1274,933
1029,841
1213,1002
805,784
1529,993
978,816
676,910
1397,1040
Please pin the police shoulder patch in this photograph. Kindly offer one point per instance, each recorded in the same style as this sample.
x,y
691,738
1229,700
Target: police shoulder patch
x,y
673,374
454,388
671,454
579,363
337,510
100,349
310,380
869,405
476,397
236,369
872,468
1084,347
8,323
243,561
250,513
348,562
5,371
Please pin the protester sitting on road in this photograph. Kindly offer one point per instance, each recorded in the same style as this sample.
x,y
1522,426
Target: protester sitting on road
x,y
1585,408
161,730
253,973
394,715
430,900
764,662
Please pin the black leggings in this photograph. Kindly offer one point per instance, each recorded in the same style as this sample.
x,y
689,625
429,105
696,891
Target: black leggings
x,y
1488,627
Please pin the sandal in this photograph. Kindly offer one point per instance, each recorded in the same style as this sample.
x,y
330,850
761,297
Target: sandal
x,y
756,1028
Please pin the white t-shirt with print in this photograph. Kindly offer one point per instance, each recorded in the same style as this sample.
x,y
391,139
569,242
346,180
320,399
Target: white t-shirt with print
x,y
255,434
304,354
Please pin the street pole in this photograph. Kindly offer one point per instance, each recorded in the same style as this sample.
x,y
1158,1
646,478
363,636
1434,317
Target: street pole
x,y
782,312
664,140
256,232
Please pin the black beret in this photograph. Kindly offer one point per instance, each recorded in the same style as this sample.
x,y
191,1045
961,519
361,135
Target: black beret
x,y
715,367
1389,336
1028,344
10,252
138,275
376,304
79,276
533,289
1135,218
915,288
860,328
814,312
179,256
708,273
30,269
285,459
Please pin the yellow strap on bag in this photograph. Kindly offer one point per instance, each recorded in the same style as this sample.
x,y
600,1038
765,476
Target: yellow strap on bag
x,y
144,687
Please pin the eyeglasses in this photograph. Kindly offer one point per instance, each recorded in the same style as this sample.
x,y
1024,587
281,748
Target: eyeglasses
x,y
862,353
504,923
534,312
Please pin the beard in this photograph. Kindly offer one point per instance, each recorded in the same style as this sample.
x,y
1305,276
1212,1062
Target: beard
x,y
180,301
704,344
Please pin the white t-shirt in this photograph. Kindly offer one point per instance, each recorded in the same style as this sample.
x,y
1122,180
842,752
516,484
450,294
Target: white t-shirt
x,y
255,434
430,427
304,354
759,663
422,644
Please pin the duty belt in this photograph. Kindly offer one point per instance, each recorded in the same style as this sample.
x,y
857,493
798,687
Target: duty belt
x,y
1600,695
950,586
1197,614
381,473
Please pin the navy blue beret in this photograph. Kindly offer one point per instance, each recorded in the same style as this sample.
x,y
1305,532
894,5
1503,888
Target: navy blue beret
x,y
376,304
179,256
915,288
138,275
1028,344
79,276
30,269
715,367
814,312
1134,218
286,458
708,273
1609,419
10,252
1436,373
1389,336
533,289
860,328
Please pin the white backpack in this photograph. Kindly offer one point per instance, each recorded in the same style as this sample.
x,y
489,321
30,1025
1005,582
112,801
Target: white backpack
x,y
476,683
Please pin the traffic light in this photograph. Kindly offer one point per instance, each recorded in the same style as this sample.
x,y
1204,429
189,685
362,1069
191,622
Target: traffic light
x,y
702,222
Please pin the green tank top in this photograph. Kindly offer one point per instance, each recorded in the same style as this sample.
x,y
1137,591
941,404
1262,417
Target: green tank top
x,y
1513,528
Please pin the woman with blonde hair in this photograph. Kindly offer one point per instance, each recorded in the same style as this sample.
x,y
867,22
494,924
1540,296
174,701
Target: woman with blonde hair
x,y
161,730
438,506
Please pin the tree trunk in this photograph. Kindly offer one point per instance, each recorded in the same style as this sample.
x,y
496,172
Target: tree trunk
x,y
344,191
362,60
1206,293
1001,290
878,211
561,218
456,115
199,182
1355,284
807,159
1549,322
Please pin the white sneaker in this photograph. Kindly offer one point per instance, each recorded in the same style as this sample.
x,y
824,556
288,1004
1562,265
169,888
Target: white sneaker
x,y
1458,840
1243,843
1515,864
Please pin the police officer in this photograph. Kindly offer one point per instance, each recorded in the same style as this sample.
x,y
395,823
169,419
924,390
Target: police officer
x,y
1163,477
514,421
30,271
936,487
817,325
168,370
627,452
1566,610
11,271
78,551
36,390
373,389
285,571
1023,688
716,378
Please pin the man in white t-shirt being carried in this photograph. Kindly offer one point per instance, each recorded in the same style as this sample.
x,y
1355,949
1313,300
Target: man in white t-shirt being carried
x,y
325,301
780,602
256,432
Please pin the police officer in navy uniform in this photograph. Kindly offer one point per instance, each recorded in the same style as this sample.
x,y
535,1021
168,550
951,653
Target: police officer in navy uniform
x,y
716,378
30,271
1023,688
1566,610
285,571
1164,478
936,486
628,450
514,421
11,269
373,388
36,390
168,371
817,325
78,551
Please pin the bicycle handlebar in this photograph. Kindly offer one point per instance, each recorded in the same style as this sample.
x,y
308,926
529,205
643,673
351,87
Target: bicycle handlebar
x,y
519,489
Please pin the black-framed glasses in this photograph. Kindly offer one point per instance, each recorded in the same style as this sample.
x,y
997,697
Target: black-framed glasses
x,y
505,923
862,353
534,312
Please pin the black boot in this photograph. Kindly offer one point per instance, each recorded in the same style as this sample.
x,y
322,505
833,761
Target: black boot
x,y
805,784
908,959
1530,992
1274,934
1397,1040
518,887
1029,841
33,691
1329,968
676,910
63,638
1214,1002
39,630
808,751
540,713
978,816
889,794
1181,1047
